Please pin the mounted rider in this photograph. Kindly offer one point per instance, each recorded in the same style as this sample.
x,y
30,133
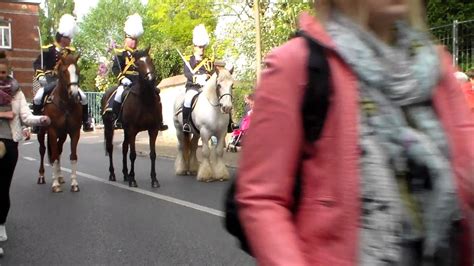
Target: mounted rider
x,y
198,70
45,64
124,67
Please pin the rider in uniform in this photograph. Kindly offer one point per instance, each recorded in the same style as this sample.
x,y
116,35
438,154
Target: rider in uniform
x,y
201,70
124,67
44,67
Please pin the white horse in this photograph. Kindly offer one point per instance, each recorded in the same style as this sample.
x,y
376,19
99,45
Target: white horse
x,y
210,116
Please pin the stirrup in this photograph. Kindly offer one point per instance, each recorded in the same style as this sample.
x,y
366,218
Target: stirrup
x,y
186,128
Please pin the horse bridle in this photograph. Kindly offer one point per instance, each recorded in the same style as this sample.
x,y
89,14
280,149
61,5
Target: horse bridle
x,y
218,104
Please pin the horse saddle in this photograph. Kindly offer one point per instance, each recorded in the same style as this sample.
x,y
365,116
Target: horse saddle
x,y
110,100
47,97
193,104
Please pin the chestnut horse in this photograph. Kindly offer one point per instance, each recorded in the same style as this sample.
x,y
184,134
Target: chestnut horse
x,y
140,111
65,112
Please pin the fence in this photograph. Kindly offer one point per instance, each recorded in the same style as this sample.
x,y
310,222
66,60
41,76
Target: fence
x,y
93,99
459,38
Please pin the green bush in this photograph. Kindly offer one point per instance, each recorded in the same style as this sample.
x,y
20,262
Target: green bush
x,y
240,90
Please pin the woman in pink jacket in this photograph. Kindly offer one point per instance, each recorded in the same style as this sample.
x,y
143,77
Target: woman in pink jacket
x,y
389,185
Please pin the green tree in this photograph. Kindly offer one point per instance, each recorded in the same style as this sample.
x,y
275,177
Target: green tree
x,y
102,26
49,17
170,25
442,12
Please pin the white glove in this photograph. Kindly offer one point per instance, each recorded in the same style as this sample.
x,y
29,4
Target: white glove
x,y
201,79
42,81
126,82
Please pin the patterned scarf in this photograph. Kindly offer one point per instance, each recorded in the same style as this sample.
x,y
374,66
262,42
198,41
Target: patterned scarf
x,y
398,82
6,92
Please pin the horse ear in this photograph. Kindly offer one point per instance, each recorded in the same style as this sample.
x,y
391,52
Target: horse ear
x,y
230,68
76,58
147,50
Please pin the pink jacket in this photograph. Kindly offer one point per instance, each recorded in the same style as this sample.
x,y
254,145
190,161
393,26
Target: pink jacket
x,y
325,229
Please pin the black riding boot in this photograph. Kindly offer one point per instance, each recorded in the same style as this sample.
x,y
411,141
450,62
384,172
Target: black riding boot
x,y
36,111
86,124
116,106
186,118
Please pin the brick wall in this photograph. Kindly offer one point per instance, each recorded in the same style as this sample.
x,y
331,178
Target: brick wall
x,y
24,21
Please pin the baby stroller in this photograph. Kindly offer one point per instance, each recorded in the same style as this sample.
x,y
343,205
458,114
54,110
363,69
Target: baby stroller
x,y
236,137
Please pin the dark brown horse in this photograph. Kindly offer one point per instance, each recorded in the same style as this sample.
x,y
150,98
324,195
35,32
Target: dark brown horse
x,y
140,111
65,112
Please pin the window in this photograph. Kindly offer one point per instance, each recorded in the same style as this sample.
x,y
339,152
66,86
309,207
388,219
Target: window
x,y
5,35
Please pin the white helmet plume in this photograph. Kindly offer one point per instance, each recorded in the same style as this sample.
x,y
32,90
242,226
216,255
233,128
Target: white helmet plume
x,y
67,26
200,36
133,26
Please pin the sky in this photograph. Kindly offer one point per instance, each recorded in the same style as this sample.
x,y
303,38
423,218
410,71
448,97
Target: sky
x,y
82,6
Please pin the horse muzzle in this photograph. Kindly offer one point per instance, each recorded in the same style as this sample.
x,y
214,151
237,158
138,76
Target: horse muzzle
x,y
226,109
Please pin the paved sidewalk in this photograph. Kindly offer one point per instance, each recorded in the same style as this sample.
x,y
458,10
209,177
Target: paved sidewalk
x,y
165,147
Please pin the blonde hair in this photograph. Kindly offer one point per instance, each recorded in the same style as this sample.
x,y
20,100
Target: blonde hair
x,y
356,9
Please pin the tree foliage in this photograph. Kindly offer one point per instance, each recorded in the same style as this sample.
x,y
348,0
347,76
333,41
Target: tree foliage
x,y
169,27
100,28
50,15
443,12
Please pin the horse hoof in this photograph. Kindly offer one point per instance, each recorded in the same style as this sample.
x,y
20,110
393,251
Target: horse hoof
x,y
57,189
193,173
112,178
181,173
155,184
61,180
75,188
41,180
133,183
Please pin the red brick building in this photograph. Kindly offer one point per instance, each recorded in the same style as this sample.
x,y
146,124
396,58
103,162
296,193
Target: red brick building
x,y
19,21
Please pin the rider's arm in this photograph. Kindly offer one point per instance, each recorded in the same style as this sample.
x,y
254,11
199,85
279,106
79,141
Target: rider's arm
x,y
188,74
39,69
118,64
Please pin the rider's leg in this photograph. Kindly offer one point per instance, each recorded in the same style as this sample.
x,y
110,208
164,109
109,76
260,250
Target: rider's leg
x,y
37,101
188,98
162,126
86,125
117,104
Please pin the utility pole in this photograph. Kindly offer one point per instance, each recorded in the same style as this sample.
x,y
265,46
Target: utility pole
x,y
258,44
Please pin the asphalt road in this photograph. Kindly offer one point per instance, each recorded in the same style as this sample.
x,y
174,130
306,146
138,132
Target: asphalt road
x,y
108,223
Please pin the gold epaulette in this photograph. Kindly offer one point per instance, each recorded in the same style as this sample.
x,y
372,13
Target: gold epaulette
x,y
70,48
118,50
187,57
46,47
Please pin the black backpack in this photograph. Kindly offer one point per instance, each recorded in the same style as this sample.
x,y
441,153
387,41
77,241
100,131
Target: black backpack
x,y
314,111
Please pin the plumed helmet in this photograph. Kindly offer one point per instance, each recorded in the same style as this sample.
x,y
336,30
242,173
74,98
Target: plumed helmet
x,y
200,36
67,26
133,26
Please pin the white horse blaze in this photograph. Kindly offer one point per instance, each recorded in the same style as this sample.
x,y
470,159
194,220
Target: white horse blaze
x,y
73,79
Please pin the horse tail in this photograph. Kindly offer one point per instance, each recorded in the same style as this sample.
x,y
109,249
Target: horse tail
x,y
108,121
